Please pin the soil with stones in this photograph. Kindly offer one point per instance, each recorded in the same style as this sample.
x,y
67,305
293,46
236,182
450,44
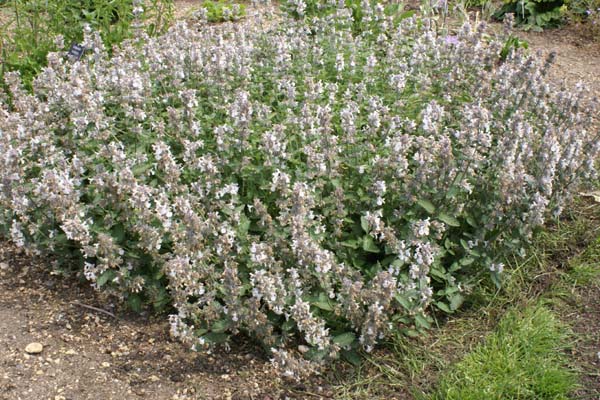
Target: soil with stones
x,y
90,350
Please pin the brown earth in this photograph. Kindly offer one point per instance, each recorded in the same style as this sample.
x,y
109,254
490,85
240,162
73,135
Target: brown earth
x,y
91,350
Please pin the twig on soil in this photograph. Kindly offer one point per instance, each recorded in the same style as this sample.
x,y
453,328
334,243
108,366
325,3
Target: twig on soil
x,y
95,309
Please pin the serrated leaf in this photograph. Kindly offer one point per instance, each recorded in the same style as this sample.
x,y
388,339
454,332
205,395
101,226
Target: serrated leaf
x,y
456,301
426,205
369,245
219,326
422,322
448,220
467,261
216,337
443,306
323,303
364,224
352,357
353,244
344,339
403,302
106,276
314,354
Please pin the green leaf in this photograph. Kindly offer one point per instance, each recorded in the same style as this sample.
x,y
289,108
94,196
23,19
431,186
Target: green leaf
x,y
369,245
315,354
410,333
444,307
243,226
456,301
219,326
426,205
344,339
422,322
448,220
323,303
162,300
134,302
353,244
352,357
118,232
200,331
471,221
288,325
216,337
467,261
106,276
438,271
403,302
364,224
454,267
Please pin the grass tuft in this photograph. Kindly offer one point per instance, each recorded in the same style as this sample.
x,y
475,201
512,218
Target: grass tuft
x,y
522,359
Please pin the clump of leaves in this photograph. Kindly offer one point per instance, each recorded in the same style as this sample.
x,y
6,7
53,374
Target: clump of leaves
x,y
534,14
360,11
37,27
220,11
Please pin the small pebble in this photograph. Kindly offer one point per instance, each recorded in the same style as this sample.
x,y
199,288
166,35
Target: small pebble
x,y
303,349
34,348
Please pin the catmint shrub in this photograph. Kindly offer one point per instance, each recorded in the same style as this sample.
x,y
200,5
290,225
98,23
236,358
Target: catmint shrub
x,y
304,185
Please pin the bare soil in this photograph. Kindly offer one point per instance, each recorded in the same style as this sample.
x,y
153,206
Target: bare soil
x,y
578,54
90,354
585,320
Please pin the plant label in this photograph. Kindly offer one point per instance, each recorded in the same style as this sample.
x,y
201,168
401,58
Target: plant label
x,y
75,52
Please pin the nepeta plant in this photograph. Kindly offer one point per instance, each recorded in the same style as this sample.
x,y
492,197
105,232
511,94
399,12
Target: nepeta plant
x,y
306,185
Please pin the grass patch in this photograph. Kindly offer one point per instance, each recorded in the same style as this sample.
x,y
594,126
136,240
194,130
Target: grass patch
x,y
522,359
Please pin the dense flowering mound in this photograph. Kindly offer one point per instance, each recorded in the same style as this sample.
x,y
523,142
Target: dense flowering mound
x,y
306,185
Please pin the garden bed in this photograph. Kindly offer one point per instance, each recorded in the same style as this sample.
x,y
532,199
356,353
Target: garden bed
x,y
108,336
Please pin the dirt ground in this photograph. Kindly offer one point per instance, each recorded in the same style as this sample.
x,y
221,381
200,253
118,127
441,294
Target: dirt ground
x,y
578,55
90,354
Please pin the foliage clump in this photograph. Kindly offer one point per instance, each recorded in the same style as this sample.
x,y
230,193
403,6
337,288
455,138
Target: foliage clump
x,y
312,184
37,27
220,11
534,14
